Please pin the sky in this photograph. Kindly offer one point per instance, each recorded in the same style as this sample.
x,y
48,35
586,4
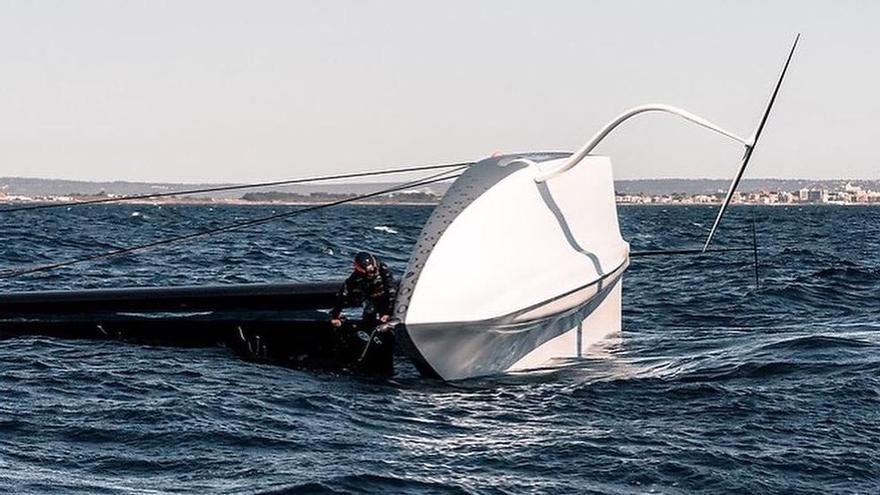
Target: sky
x,y
223,91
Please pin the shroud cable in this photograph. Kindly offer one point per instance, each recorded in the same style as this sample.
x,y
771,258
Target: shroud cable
x,y
431,179
255,185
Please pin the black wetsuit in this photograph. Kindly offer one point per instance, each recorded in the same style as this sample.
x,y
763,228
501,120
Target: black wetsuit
x,y
376,294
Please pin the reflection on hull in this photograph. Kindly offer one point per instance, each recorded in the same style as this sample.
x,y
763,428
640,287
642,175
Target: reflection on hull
x,y
456,350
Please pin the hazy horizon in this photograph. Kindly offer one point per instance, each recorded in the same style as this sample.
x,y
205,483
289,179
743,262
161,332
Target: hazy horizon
x,y
392,181
224,91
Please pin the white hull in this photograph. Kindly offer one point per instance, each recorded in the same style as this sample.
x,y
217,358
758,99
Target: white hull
x,y
577,342
522,262
507,269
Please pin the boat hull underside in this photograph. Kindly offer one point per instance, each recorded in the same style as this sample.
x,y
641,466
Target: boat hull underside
x,y
457,350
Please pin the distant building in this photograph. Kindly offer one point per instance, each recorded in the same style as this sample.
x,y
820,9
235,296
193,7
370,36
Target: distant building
x,y
836,193
850,188
817,196
804,194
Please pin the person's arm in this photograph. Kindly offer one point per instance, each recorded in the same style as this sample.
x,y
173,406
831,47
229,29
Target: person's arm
x,y
342,297
389,287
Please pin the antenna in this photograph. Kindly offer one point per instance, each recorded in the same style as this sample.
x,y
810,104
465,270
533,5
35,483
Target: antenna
x,y
750,148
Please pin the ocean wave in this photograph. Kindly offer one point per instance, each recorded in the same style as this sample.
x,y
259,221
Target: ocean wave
x,y
369,483
850,273
386,229
818,342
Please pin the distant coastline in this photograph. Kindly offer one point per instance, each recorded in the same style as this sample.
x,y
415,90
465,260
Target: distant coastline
x,y
639,192
206,202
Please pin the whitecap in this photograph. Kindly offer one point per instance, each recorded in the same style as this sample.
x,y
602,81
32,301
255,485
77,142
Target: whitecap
x,y
385,228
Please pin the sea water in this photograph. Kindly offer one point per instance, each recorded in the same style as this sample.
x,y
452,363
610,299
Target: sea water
x,y
714,386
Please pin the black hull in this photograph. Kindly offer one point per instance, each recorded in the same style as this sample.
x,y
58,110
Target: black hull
x,y
274,324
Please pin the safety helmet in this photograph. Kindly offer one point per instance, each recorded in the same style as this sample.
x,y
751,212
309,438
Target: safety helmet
x,y
366,264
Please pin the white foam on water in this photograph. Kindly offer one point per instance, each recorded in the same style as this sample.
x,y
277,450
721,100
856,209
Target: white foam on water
x,y
384,228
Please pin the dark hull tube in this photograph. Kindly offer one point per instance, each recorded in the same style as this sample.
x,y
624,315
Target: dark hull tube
x,y
280,324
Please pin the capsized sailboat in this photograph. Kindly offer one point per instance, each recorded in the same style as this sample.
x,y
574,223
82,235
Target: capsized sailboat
x,y
536,238
499,217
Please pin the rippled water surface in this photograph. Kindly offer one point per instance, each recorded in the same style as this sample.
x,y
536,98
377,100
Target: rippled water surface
x,y
714,386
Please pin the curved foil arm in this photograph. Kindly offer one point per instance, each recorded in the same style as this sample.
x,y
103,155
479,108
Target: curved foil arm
x,y
596,139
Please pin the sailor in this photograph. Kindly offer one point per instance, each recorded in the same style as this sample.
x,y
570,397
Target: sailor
x,y
371,284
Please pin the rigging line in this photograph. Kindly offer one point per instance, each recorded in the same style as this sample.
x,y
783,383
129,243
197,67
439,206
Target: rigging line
x,y
431,179
239,186
673,252
11,273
